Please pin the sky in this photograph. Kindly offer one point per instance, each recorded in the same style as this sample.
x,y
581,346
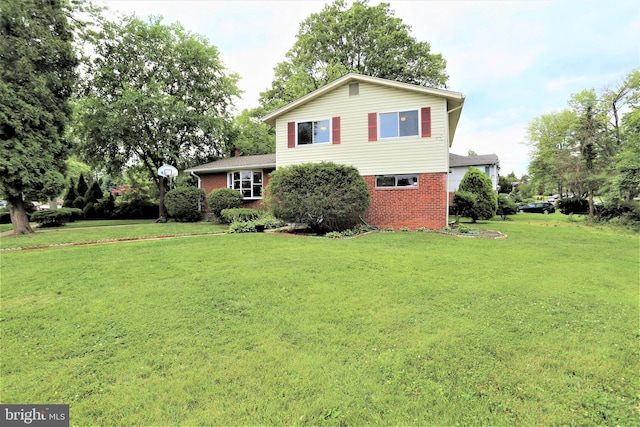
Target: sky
x,y
512,60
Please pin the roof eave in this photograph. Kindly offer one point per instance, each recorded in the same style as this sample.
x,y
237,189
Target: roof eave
x,y
453,97
232,168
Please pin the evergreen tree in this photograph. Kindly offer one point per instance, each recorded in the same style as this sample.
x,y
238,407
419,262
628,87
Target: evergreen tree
x,y
475,196
37,75
70,196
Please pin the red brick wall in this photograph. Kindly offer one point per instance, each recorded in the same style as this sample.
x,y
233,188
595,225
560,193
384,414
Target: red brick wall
x,y
212,181
423,206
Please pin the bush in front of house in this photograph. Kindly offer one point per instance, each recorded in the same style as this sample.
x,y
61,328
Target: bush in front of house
x,y
56,217
240,214
184,204
325,196
475,197
264,222
223,198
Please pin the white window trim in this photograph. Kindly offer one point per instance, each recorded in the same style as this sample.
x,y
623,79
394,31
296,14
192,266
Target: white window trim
x,y
316,143
397,111
251,171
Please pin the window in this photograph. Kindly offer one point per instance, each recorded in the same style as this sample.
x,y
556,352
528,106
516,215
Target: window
x,y
313,132
402,123
316,132
249,183
399,124
397,181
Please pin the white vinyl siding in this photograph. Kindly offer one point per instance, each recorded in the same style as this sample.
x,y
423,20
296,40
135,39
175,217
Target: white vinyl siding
x,y
386,156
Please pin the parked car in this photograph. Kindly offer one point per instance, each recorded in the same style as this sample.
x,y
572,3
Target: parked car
x,y
553,198
538,207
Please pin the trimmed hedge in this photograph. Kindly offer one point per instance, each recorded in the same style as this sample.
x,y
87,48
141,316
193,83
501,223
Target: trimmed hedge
x,y
326,196
223,198
185,204
56,217
240,214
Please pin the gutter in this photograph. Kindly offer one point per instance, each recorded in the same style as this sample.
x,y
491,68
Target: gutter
x,y
199,180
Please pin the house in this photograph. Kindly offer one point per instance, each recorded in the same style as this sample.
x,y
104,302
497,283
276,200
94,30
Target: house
x,y
459,165
397,135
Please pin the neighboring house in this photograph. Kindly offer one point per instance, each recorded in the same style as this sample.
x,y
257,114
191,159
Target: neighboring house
x,y
459,165
396,134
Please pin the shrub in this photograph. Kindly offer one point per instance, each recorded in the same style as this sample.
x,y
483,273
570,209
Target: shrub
x,y
506,207
240,214
479,201
134,204
624,212
184,204
266,221
573,205
223,198
325,196
56,217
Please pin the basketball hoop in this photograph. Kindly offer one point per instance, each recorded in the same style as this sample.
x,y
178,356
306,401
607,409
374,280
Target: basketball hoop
x,y
167,171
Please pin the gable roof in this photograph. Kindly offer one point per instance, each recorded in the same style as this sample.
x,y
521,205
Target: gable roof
x,y
456,160
236,163
455,100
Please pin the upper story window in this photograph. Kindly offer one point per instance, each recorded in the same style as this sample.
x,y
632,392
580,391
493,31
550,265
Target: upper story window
x,y
401,123
249,183
313,132
316,132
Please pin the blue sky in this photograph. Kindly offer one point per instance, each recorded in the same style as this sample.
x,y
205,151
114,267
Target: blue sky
x,y
513,60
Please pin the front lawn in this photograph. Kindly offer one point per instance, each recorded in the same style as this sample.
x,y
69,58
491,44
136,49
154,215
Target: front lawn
x,y
398,328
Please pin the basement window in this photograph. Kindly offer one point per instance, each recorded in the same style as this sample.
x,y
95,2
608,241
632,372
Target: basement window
x,y
397,181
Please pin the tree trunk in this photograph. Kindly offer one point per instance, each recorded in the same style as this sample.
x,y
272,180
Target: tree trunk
x,y
19,218
591,210
162,190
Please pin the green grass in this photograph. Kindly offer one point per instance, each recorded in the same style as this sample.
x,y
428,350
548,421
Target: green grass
x,y
92,231
390,328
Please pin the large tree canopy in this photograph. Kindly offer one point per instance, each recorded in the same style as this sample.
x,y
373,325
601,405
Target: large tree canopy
x,y
590,147
155,94
362,39
37,63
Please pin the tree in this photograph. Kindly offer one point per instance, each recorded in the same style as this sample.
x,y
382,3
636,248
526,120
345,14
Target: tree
x,y
361,39
71,195
591,140
550,137
37,76
251,136
153,95
506,207
475,197
325,196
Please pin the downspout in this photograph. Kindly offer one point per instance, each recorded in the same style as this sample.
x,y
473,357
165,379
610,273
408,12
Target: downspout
x,y
199,184
454,109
